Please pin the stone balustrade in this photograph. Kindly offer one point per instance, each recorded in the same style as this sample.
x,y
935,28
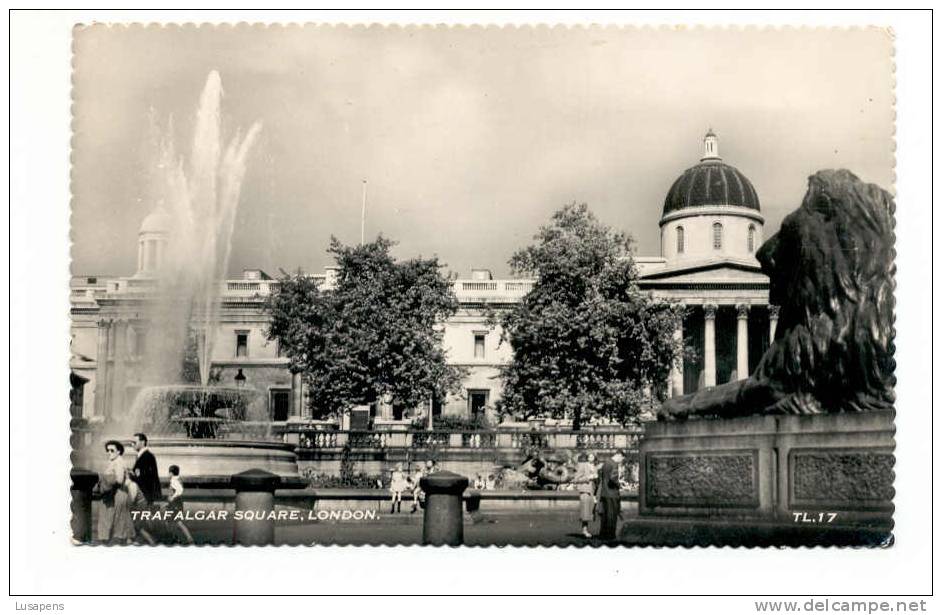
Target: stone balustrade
x,y
467,291
491,290
453,439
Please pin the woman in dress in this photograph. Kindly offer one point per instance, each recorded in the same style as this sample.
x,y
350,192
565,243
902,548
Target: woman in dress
x,y
114,524
584,480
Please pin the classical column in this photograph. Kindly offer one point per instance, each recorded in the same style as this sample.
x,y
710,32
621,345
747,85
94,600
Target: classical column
x,y
101,360
119,369
773,321
297,396
677,371
742,341
709,345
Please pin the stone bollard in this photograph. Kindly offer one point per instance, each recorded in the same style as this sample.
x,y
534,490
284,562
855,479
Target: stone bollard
x,y
255,495
83,482
444,521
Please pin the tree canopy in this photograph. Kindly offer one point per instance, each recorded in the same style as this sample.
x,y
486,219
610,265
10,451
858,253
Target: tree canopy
x,y
375,333
586,341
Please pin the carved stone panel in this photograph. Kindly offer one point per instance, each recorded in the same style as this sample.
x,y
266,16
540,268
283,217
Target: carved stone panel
x,y
720,479
842,479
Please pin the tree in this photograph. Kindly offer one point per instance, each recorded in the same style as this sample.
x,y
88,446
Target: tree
x,y
376,334
587,342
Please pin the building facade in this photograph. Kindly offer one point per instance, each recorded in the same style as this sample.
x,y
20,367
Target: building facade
x,y
710,229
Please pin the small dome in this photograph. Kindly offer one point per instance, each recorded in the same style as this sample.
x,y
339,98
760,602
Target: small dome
x,y
156,222
712,182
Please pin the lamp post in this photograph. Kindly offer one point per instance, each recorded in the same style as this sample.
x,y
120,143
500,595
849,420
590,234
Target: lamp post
x,y
240,379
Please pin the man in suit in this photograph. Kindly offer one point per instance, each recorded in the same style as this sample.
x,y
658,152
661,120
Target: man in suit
x,y
145,470
609,496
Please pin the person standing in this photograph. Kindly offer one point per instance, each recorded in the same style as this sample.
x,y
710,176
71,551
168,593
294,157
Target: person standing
x,y
145,470
397,484
144,498
609,497
114,523
584,480
175,504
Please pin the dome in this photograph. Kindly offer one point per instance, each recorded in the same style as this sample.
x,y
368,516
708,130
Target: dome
x,y
711,183
156,222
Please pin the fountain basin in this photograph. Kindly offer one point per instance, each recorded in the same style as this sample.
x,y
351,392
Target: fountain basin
x,y
203,457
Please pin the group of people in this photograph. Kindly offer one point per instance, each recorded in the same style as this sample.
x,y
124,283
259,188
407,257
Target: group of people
x,y
125,489
401,482
599,487
482,483
599,493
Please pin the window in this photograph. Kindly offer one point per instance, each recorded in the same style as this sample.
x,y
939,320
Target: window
x,y
137,342
751,242
478,345
680,240
280,404
717,236
242,343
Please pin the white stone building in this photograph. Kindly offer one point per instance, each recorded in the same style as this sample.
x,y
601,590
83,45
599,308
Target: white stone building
x,y
710,229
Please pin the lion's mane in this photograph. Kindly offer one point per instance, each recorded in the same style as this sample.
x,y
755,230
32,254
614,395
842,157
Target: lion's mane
x,y
831,268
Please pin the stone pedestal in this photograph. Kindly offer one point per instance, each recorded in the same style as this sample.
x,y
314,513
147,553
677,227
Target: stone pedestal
x,y
444,519
771,467
255,497
83,482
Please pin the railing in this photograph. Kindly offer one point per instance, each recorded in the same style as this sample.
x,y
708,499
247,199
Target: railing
x,y
479,286
430,439
463,439
510,290
244,286
525,286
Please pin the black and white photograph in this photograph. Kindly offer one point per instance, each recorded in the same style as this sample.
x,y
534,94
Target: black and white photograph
x,y
585,288
337,285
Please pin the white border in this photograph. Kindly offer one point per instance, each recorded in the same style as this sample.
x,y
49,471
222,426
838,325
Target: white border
x,y
43,561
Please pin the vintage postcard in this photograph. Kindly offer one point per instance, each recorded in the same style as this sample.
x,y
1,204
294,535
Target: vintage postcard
x,y
368,285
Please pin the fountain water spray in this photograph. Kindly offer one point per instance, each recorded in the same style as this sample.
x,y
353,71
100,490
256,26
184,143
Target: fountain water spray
x,y
197,197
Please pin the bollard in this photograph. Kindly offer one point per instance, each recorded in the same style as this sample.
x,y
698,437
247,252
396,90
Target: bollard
x,y
255,495
83,482
444,522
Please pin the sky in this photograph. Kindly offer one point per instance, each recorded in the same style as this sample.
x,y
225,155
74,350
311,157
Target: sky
x,y
468,138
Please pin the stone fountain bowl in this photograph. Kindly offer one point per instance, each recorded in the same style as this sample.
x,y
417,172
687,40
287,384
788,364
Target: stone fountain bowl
x,y
201,457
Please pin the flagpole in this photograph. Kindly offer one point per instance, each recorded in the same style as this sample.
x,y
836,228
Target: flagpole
x,y
363,216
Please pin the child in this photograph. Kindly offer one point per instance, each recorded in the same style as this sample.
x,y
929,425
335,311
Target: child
x,y
479,482
397,484
175,501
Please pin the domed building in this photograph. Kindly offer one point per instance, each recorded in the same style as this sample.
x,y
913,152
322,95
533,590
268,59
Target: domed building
x,y
711,228
152,242
711,211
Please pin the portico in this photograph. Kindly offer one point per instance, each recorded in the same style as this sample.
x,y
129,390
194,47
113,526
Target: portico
x,y
711,228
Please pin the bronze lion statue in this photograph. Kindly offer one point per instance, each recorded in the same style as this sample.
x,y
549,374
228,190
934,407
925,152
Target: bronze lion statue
x,y
831,270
